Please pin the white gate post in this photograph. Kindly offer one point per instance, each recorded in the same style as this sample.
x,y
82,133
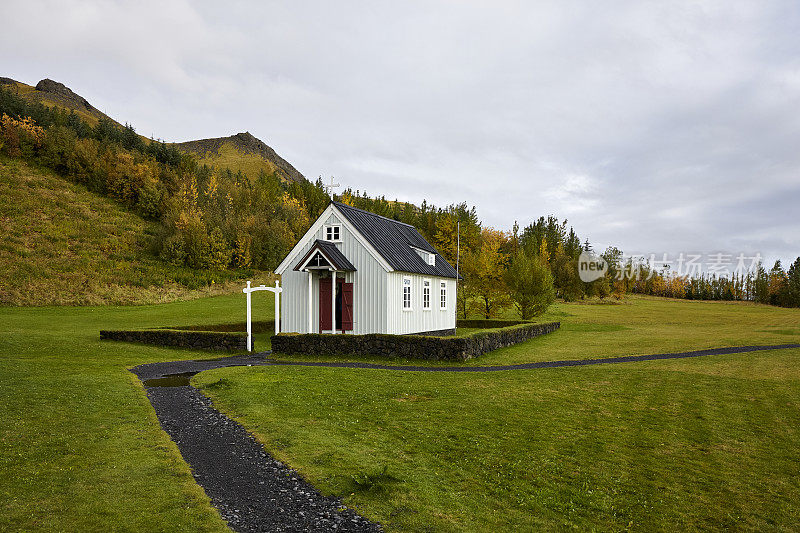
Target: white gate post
x,y
276,290
249,321
277,308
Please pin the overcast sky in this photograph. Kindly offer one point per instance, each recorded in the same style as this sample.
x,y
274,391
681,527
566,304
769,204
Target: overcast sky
x,y
658,127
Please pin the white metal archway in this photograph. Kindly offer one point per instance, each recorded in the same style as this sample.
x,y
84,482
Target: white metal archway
x,y
275,290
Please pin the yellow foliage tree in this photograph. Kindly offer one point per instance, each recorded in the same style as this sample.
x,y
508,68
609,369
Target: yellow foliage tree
x,y
543,253
486,273
446,237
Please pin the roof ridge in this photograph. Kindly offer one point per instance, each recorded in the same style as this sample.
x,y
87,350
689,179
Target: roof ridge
x,y
370,213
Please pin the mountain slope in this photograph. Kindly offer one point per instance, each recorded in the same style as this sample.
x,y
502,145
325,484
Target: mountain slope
x,y
54,94
65,245
242,152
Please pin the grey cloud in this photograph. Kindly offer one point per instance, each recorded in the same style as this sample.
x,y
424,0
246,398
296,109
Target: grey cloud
x,y
651,126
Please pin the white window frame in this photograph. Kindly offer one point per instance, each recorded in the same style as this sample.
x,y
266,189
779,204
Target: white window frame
x,y
426,292
443,295
335,231
410,300
432,259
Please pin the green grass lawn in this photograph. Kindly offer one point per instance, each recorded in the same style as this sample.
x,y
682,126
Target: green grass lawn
x,y
80,446
689,444
638,325
701,443
644,325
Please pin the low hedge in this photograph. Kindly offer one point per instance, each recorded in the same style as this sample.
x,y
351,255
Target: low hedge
x,y
203,340
409,346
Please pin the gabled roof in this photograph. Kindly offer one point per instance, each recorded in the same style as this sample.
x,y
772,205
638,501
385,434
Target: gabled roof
x,y
395,242
329,250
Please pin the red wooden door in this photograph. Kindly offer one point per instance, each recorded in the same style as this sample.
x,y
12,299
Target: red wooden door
x,y
347,306
325,304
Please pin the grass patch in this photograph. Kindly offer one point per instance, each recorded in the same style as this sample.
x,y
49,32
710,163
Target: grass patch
x,y
702,443
464,332
707,443
380,481
80,446
646,325
784,331
690,444
642,325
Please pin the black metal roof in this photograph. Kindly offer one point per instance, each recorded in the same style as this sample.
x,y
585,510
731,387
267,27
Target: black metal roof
x,y
395,242
334,255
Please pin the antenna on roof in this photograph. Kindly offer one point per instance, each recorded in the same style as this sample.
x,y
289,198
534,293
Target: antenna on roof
x,y
331,186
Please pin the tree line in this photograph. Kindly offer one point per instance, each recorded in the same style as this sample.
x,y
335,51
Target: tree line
x,y
775,286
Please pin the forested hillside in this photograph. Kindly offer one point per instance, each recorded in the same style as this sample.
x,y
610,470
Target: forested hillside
x,y
62,244
210,223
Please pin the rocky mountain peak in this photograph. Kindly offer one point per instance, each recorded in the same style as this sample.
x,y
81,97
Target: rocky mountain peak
x,y
63,93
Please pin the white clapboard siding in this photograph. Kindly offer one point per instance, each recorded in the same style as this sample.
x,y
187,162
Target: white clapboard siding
x,y
418,320
369,288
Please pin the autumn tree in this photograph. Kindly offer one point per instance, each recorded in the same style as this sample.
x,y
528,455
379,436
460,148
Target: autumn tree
x,y
565,275
601,287
613,258
489,267
446,237
530,284
466,292
778,285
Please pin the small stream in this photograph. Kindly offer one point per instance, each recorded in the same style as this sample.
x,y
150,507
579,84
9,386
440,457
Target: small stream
x,y
181,379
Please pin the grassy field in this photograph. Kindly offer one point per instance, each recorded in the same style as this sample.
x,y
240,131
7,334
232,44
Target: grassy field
x,y
705,443
56,233
691,444
638,325
80,446
644,325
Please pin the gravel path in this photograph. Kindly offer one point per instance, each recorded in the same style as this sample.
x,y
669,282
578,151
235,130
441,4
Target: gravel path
x,y
157,370
542,364
252,490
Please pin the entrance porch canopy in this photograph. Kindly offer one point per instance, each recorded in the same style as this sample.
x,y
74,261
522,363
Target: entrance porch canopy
x,y
323,256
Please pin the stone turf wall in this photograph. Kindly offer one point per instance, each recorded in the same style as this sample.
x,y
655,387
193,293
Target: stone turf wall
x,y
203,340
409,346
